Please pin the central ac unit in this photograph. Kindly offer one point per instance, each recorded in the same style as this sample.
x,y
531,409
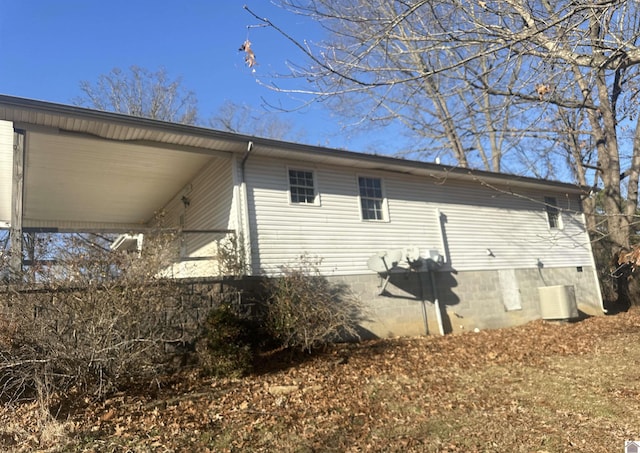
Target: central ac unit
x,y
558,302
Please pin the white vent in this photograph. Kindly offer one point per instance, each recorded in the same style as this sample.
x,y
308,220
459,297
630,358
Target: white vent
x,y
558,302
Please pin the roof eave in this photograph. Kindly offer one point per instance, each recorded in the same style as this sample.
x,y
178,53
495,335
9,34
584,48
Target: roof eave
x,y
237,143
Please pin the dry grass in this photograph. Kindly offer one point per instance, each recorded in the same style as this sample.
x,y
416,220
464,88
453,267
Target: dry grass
x,y
538,388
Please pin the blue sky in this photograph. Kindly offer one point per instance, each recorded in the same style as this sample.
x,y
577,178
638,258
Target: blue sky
x,y
48,46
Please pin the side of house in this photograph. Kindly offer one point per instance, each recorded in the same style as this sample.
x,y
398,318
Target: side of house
x,y
481,244
499,243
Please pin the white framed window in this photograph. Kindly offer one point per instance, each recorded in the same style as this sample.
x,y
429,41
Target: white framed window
x,y
302,187
554,217
372,200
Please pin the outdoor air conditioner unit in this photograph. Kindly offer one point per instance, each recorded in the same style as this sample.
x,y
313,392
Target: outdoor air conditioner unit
x,y
128,242
558,302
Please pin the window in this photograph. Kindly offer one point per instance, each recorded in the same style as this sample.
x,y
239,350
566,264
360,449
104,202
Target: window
x,y
301,187
553,213
371,199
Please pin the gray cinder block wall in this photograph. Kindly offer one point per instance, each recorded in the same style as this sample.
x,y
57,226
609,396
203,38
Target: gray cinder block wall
x,y
468,300
406,307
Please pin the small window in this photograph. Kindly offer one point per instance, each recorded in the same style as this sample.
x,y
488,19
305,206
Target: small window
x,y
371,199
301,187
553,213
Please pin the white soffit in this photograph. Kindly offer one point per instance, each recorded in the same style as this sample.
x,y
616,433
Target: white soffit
x,y
81,179
6,172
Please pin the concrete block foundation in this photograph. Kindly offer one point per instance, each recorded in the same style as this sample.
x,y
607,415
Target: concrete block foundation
x,y
468,300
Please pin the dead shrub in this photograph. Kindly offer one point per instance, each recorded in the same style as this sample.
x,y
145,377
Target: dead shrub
x,y
305,310
94,322
232,256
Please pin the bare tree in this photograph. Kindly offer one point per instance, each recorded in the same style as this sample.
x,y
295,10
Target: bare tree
x,y
140,92
480,80
245,119
376,58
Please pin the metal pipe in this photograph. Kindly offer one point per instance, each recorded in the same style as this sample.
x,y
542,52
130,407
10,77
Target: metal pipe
x,y
595,271
246,233
443,246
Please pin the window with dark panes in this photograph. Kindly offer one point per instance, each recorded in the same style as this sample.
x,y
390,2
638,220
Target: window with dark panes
x,y
371,199
301,187
553,213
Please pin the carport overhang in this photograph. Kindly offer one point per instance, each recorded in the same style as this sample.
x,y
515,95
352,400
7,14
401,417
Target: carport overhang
x,y
90,170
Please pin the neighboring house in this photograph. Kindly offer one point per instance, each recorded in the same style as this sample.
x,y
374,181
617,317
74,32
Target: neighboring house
x,y
481,244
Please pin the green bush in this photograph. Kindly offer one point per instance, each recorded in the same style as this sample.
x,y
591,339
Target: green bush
x,y
228,343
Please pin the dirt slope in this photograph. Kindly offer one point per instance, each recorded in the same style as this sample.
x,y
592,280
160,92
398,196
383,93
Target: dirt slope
x,y
542,387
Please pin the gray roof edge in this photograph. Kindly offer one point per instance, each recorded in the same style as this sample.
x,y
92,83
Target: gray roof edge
x,y
103,115
385,161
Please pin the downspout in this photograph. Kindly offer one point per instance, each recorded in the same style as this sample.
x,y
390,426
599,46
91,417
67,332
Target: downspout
x,y
592,261
436,301
443,245
244,210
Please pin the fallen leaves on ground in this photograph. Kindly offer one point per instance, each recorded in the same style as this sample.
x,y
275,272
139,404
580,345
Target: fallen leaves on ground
x,y
539,387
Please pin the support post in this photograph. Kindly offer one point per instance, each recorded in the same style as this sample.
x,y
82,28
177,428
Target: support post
x,y
17,193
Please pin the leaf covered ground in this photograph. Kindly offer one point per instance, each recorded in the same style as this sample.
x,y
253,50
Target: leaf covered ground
x,y
541,387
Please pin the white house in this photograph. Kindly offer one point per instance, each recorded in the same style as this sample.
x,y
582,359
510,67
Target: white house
x,y
487,250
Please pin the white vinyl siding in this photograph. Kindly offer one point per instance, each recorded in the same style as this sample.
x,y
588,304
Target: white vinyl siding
x,y
209,198
6,172
474,218
334,232
514,228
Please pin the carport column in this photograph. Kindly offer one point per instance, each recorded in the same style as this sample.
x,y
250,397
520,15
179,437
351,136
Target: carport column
x,y
17,193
